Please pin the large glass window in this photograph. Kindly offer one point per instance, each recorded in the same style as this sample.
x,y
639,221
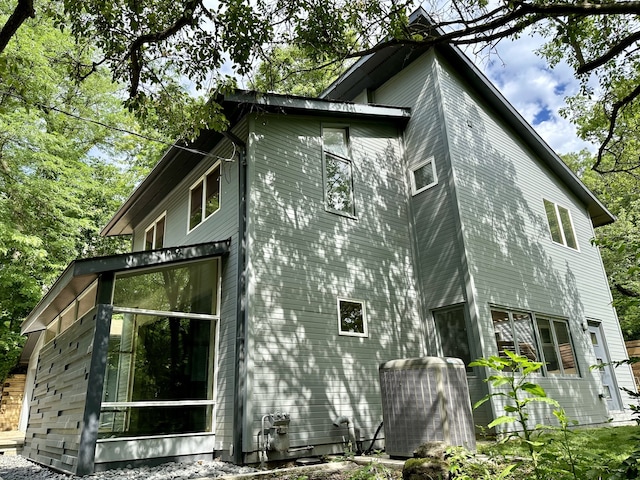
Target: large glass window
x,y
184,288
338,171
153,362
160,365
560,225
451,327
204,197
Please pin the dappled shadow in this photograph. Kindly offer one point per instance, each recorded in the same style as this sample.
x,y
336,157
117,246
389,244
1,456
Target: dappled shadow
x,y
512,260
305,258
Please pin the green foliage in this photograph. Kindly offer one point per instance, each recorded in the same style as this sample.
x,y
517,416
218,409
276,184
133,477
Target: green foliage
x,y
619,242
372,471
292,70
56,189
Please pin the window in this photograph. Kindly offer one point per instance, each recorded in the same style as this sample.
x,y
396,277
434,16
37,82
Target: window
x,y
560,225
451,328
204,197
154,235
338,171
352,318
556,347
424,176
515,332
160,361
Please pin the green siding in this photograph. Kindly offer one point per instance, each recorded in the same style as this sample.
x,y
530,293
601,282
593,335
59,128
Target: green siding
x,y
221,225
302,258
513,263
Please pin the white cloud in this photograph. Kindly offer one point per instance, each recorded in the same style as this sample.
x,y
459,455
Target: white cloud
x,y
537,91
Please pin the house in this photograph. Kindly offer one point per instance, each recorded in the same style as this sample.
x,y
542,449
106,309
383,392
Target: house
x,y
410,211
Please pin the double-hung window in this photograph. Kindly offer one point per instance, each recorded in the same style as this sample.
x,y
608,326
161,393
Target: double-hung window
x,y
204,197
154,234
560,225
338,172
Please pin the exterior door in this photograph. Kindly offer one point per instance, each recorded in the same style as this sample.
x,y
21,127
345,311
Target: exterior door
x,y
609,387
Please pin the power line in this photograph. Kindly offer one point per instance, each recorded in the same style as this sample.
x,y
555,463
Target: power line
x,y
117,129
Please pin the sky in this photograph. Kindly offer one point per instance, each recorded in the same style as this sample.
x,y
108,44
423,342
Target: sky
x,y
535,90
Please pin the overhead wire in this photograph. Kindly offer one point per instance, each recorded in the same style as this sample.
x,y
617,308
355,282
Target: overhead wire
x,y
121,130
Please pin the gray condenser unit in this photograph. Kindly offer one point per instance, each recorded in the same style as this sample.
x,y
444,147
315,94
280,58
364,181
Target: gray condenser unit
x,y
425,400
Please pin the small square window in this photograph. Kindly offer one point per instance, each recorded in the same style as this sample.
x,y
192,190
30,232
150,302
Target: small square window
x,y
560,225
424,176
352,318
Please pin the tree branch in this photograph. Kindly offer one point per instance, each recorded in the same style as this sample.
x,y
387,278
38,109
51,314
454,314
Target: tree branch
x,y
625,291
135,49
619,105
609,54
24,10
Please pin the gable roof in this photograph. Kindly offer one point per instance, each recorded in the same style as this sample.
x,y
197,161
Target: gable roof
x,y
373,70
180,159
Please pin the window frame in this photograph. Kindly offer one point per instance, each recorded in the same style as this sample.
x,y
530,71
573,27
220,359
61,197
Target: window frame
x,y
561,225
556,345
202,181
213,367
154,227
414,188
467,330
539,344
365,330
348,160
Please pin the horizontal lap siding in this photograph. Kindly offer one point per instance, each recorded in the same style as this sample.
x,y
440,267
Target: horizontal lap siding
x,y
221,225
513,262
58,401
302,258
434,210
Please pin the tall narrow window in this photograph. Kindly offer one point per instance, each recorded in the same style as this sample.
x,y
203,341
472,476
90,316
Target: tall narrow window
x,y
352,318
154,235
204,197
560,224
338,171
424,176
451,328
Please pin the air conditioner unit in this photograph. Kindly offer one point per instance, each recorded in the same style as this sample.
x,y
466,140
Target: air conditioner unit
x,y
425,400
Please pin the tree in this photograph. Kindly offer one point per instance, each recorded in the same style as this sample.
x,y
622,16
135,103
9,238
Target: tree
x,y
291,70
56,189
619,242
146,43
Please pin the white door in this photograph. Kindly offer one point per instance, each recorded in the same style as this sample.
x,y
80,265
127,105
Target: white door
x,y
610,389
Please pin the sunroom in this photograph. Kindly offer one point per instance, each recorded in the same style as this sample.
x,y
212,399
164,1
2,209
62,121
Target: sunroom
x,y
123,360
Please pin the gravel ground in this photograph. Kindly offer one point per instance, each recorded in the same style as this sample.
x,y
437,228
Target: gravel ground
x,y
15,467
